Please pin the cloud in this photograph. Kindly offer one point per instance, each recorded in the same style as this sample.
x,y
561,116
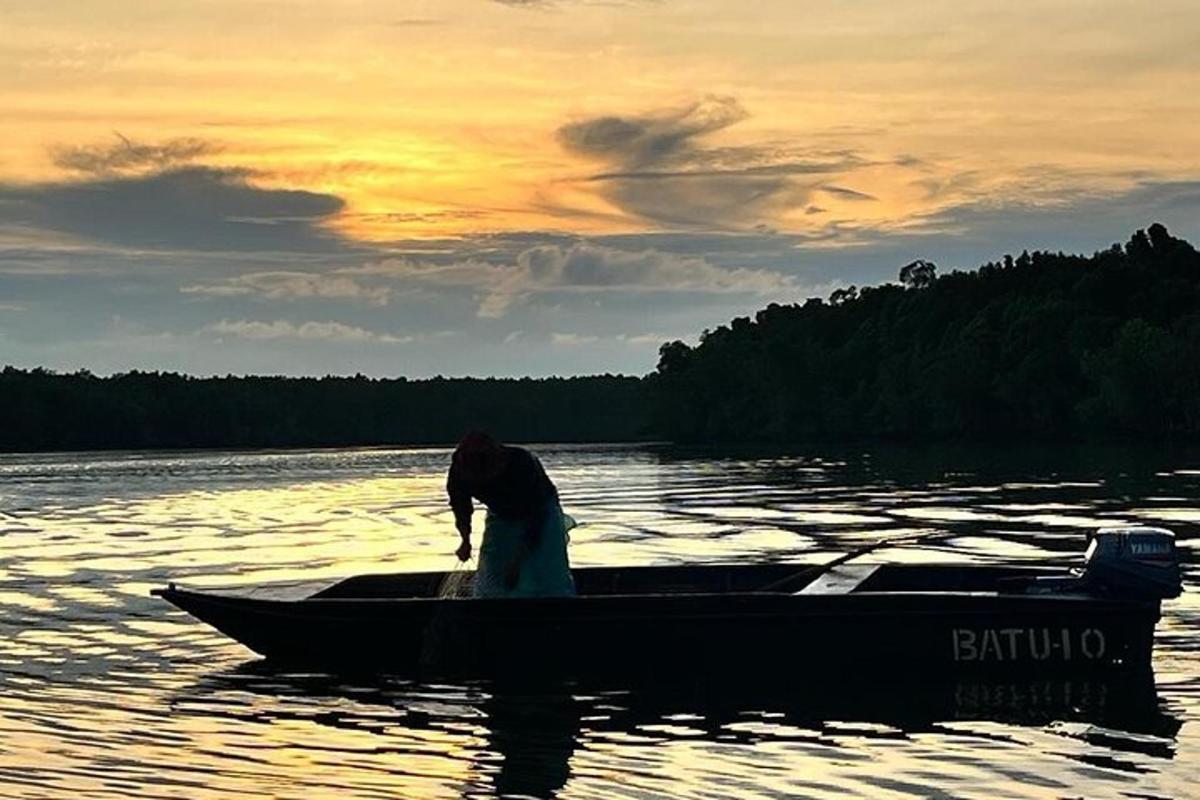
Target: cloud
x,y
572,339
282,329
590,266
288,285
847,194
654,339
1065,218
188,207
579,267
635,340
126,155
651,139
658,167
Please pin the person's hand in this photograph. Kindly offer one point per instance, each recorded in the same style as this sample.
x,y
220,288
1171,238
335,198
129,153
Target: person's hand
x,y
464,551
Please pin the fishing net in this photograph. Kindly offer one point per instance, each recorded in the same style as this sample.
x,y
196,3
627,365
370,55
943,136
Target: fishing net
x,y
456,583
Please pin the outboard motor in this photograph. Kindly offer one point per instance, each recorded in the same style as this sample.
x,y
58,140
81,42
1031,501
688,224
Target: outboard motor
x,y
1133,561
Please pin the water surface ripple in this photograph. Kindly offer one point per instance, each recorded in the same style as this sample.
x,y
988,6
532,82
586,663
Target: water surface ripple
x,y
108,693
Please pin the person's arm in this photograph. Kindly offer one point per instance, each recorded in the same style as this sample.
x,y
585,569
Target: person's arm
x,y
460,503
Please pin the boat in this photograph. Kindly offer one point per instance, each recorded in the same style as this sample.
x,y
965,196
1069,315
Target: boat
x,y
841,617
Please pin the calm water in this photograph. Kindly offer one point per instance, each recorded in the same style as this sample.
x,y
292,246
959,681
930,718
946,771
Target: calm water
x,y
108,693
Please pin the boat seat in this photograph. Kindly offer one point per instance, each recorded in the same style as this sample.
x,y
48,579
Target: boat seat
x,y
842,579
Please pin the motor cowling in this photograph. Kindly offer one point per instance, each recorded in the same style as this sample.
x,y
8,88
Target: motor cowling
x,y
1133,561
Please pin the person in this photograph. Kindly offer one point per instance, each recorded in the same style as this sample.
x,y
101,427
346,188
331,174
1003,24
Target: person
x,y
524,548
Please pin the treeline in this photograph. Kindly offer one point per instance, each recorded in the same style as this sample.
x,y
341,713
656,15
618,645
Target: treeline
x,y
43,410
1042,346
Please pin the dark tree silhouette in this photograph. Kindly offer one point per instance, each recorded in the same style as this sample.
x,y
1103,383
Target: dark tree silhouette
x,y
1043,346
842,296
918,274
46,411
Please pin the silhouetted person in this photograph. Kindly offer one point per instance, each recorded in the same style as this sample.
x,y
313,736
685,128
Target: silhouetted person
x,y
524,548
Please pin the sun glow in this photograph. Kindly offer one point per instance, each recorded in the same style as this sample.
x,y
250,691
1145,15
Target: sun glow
x,y
445,122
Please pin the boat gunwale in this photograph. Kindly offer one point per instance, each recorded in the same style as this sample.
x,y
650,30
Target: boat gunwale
x,y
1067,600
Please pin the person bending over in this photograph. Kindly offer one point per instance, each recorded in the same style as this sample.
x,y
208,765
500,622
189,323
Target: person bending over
x,y
524,548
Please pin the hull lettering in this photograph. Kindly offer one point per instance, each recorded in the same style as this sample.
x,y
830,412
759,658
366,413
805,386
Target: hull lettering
x,y
1028,644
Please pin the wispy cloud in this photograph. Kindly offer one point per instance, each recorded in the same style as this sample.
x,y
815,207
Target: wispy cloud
x,y
579,267
287,285
283,329
126,155
572,339
590,267
569,339
659,166
847,194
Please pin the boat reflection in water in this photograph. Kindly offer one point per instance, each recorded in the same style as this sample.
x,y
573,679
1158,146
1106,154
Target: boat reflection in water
x,y
526,740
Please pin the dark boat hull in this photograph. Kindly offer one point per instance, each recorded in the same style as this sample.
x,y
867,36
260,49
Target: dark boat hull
x,y
914,632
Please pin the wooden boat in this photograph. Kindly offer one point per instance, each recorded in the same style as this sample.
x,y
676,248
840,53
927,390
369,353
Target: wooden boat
x,y
898,618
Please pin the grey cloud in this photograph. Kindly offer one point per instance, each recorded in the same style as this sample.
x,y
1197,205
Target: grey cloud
x,y
292,285
1071,221
654,138
503,270
126,154
190,208
659,167
590,267
847,194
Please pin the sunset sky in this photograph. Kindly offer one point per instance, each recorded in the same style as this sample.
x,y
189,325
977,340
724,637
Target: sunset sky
x,y
516,187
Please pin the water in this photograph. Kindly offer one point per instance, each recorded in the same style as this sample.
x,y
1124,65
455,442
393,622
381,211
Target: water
x,y
108,693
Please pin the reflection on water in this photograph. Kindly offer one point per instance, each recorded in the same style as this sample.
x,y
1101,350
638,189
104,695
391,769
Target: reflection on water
x,y
108,693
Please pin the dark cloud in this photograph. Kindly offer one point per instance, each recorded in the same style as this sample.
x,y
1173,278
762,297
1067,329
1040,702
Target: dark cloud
x,y
189,208
652,139
127,155
847,194
660,167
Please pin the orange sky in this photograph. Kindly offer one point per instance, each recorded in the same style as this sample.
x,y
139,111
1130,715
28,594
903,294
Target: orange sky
x,y
417,126
438,118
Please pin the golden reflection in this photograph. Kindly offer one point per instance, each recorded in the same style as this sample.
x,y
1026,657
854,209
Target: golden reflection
x,y
106,691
